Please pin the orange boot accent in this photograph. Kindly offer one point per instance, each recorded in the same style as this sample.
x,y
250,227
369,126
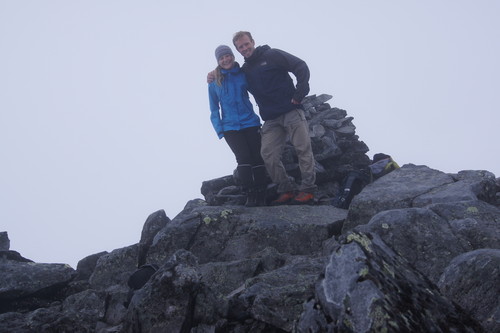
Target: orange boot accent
x,y
303,198
283,199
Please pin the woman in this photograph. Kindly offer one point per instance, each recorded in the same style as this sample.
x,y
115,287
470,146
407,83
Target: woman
x,y
234,119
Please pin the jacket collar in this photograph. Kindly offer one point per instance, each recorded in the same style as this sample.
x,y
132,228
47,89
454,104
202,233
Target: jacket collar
x,y
259,50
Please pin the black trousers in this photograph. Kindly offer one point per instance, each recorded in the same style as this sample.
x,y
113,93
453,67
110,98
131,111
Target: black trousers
x,y
245,145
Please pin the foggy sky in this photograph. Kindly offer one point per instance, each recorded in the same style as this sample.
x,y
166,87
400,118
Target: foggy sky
x,y
104,115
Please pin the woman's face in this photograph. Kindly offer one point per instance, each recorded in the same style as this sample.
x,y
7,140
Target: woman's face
x,y
226,61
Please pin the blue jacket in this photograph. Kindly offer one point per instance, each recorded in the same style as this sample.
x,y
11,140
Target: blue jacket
x,y
269,81
230,106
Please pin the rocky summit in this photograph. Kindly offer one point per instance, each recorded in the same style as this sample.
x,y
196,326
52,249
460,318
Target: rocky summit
x,y
417,250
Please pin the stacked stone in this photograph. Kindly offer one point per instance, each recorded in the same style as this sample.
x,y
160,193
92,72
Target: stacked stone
x,y
336,147
4,241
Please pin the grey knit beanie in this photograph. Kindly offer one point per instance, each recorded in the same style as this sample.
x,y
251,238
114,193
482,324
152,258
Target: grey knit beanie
x,y
222,50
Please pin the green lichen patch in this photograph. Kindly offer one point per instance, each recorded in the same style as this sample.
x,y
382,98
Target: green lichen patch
x,y
362,240
225,213
472,210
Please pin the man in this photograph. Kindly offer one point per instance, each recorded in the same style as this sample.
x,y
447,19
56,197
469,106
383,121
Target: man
x,y
267,72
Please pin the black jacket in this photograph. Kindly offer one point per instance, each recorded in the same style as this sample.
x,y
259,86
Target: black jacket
x,y
271,85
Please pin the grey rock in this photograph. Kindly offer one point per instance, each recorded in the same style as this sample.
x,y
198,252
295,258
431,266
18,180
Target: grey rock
x,y
276,297
421,236
164,304
86,266
475,223
397,189
210,188
4,241
77,313
23,279
315,101
472,280
225,278
154,223
115,267
337,124
312,319
85,309
13,256
44,319
318,131
117,298
226,234
13,322
370,288
467,186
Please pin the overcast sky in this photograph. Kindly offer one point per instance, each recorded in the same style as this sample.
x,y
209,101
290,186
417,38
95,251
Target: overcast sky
x,y
104,115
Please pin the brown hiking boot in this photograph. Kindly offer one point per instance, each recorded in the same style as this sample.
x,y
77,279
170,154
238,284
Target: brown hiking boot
x,y
303,198
283,199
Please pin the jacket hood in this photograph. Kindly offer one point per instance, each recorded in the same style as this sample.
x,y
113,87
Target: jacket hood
x,y
259,50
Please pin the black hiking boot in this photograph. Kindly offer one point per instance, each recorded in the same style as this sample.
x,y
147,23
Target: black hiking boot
x,y
256,198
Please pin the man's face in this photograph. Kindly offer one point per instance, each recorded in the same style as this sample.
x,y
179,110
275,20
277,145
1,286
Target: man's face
x,y
245,46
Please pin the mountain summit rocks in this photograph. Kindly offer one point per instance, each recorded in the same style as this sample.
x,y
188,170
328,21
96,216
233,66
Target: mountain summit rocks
x,y
418,250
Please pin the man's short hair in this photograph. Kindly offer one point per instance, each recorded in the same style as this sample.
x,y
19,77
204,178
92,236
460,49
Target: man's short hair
x,y
240,34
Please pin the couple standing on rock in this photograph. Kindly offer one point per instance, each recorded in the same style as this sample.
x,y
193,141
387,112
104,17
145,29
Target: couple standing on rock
x,y
265,74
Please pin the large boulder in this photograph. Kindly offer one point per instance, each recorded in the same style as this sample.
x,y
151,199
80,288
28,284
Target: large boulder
x,y
421,236
275,298
154,223
215,233
429,238
475,223
418,186
24,285
165,304
467,186
77,313
370,288
114,268
86,266
472,280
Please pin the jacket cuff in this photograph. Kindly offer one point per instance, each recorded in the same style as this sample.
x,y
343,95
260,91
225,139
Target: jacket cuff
x,y
298,98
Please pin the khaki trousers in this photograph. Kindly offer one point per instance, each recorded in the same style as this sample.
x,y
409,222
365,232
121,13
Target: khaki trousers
x,y
292,125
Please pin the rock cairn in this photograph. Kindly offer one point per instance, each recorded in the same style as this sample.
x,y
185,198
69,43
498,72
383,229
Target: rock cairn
x,y
336,147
